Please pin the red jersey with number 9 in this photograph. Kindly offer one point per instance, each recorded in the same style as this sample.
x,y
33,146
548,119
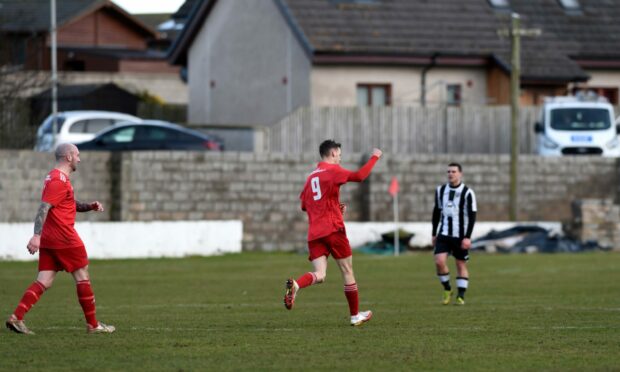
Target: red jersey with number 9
x,y
320,198
58,228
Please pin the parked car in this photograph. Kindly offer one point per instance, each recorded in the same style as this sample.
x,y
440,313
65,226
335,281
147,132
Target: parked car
x,y
77,126
581,125
151,135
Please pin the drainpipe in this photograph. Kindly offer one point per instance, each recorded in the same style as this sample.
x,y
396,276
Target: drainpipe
x,y
423,78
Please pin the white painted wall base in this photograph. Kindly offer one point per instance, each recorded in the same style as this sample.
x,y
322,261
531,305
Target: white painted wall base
x,y
136,239
360,233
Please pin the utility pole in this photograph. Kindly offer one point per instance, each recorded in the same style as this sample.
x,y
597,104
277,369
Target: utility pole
x,y
54,73
515,93
515,32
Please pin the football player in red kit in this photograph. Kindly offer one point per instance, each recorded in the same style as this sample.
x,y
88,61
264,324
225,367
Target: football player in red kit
x,y
59,246
326,232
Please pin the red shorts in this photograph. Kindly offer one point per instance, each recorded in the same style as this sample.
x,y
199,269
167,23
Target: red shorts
x,y
336,243
67,259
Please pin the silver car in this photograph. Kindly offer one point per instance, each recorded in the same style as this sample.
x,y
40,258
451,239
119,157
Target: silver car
x,y
77,127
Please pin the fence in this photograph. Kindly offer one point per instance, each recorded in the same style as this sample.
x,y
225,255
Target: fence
x,y
400,129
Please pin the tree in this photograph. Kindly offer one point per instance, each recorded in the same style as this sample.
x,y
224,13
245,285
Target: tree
x,y
18,124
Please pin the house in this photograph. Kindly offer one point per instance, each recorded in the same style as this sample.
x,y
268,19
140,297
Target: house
x,y
169,26
98,42
92,35
253,62
159,22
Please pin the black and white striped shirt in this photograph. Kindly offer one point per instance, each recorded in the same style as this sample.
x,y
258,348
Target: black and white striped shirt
x,y
455,208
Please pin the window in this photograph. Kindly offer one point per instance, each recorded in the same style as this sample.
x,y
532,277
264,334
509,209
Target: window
x,y
90,126
580,119
453,94
19,47
48,125
122,135
75,65
374,94
571,7
570,4
97,125
158,134
500,4
78,127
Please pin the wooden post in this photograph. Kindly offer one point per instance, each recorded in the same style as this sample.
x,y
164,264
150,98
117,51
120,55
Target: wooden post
x,y
515,73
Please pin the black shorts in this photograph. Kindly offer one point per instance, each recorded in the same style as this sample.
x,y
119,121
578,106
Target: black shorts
x,y
446,244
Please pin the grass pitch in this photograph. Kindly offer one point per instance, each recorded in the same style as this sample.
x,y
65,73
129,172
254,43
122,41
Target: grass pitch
x,y
523,312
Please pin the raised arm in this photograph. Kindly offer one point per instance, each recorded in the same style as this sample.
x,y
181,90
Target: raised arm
x,y
39,220
362,173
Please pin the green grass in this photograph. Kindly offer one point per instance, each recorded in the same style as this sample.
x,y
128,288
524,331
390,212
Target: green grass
x,y
523,312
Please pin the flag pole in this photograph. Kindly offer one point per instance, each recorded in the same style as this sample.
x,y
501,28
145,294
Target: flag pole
x,y
393,190
396,240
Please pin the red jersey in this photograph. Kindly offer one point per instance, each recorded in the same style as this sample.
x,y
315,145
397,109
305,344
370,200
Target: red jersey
x,y
320,197
58,228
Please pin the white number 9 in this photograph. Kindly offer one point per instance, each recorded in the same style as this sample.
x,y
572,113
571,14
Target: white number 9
x,y
316,188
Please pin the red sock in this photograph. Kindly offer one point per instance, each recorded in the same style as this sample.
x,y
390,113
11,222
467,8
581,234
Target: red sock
x,y
30,297
306,280
87,300
350,290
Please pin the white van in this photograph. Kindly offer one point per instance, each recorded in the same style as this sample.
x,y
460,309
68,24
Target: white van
x,y
77,127
577,126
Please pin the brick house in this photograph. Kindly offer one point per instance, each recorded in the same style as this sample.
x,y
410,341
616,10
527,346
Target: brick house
x,y
93,35
252,62
98,43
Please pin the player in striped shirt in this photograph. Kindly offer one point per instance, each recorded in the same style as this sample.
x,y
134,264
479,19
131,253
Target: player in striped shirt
x,y
326,232
455,214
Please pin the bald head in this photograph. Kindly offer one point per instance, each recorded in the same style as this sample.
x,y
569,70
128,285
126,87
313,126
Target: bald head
x,y
67,157
63,150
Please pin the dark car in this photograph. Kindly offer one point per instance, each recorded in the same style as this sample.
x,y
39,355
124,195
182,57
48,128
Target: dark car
x,y
151,135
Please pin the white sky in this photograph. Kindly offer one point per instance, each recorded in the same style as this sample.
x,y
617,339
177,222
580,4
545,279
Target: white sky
x,y
150,6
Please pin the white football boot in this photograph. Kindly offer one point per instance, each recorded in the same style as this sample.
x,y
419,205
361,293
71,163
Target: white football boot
x,y
361,318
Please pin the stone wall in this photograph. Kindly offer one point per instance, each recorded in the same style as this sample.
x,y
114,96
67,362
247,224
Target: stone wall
x,y
596,219
263,189
21,181
546,187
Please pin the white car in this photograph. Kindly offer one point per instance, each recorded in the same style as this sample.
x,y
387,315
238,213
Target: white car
x,y
77,127
577,126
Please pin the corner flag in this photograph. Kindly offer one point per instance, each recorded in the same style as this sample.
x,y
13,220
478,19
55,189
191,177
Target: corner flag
x,y
393,190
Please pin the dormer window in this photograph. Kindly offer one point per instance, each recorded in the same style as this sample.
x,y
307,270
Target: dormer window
x,y
570,4
571,7
500,4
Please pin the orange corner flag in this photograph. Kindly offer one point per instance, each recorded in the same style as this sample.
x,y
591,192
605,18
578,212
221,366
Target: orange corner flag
x,y
393,190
